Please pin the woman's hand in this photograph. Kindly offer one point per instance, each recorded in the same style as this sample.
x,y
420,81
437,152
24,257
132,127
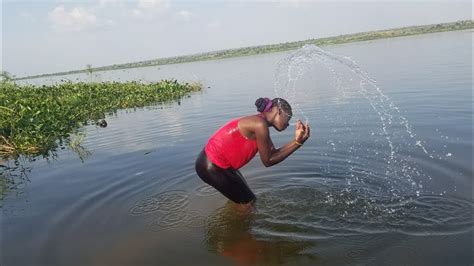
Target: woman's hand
x,y
302,132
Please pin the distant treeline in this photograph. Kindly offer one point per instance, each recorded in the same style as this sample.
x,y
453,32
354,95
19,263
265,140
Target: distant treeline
x,y
262,49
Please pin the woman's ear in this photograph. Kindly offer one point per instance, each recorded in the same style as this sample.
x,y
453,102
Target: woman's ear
x,y
276,113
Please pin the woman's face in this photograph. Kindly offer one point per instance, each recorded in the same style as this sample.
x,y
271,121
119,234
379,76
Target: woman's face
x,y
282,120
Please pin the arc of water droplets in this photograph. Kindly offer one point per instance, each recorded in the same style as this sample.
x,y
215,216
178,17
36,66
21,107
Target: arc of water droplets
x,y
308,54
364,75
293,67
297,64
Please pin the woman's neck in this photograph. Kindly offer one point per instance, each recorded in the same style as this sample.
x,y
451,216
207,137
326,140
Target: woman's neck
x,y
269,117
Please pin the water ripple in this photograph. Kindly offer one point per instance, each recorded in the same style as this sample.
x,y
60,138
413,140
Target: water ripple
x,y
306,212
176,220
169,201
205,190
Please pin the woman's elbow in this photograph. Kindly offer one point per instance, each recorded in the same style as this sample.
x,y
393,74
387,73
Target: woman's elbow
x,y
267,163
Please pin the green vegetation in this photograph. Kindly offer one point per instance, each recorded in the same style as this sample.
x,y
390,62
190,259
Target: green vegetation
x,y
357,37
37,119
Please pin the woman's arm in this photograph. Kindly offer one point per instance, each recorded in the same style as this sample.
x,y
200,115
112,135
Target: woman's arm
x,y
271,156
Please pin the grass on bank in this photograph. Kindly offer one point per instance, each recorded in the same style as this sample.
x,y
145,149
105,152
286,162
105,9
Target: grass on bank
x,y
35,120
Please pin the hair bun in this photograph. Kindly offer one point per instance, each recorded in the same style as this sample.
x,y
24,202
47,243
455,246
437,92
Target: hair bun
x,y
261,103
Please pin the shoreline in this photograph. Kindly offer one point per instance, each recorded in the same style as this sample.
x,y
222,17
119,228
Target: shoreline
x,y
273,48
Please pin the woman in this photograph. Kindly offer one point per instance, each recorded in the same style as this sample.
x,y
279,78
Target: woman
x,y
237,142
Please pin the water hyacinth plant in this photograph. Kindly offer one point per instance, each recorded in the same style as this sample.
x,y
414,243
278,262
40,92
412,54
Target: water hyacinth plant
x,y
36,119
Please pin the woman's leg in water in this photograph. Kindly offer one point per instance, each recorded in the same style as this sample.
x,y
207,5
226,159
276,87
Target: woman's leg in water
x,y
229,182
245,207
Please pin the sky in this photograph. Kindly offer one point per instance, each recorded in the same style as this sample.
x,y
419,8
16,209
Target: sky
x,y
46,36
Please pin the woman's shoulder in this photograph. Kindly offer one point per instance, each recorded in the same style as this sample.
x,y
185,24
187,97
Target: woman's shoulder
x,y
256,120
251,124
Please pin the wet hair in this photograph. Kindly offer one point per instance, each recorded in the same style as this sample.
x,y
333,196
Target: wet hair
x,y
265,104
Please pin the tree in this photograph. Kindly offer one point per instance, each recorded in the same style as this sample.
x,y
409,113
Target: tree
x,y
89,70
6,76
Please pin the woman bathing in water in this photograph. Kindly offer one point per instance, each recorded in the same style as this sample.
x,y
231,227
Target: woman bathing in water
x,y
237,142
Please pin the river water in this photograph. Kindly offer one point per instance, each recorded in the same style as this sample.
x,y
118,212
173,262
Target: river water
x,y
385,179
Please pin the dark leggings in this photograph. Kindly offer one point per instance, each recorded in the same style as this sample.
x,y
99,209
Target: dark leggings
x,y
229,182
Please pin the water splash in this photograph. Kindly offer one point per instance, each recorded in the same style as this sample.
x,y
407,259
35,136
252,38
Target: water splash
x,y
351,83
304,212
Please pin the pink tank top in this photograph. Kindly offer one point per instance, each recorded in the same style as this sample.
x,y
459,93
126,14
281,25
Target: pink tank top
x,y
229,148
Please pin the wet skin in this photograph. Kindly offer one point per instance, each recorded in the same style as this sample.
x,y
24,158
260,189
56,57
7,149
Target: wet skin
x,y
257,127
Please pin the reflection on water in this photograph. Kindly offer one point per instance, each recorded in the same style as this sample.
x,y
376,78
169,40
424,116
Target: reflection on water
x,y
13,176
229,233
328,211
300,224
341,200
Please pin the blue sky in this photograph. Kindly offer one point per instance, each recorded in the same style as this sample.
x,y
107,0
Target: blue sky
x,y
49,36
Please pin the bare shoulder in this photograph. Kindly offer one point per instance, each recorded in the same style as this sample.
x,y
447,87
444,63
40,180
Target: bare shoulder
x,y
250,124
253,121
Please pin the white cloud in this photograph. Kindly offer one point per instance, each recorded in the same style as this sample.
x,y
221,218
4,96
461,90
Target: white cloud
x,y
104,3
153,4
78,19
149,9
110,7
184,14
110,23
